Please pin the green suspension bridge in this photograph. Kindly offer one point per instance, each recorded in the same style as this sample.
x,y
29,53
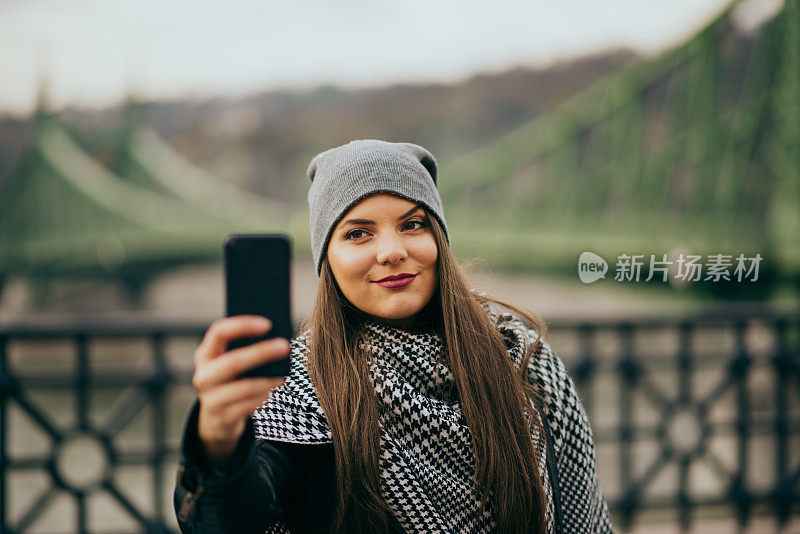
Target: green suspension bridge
x,y
65,216
690,151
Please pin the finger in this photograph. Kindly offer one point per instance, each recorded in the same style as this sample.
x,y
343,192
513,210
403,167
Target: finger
x,y
222,331
239,390
237,361
244,408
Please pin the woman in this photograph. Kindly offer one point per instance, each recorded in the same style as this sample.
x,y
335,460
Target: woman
x,y
412,403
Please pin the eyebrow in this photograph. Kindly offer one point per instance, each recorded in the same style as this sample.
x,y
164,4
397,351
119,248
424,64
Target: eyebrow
x,y
367,221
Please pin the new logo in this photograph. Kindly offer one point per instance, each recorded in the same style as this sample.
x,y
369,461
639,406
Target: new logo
x,y
591,267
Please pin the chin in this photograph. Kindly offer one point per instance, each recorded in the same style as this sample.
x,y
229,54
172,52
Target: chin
x,y
395,315
402,310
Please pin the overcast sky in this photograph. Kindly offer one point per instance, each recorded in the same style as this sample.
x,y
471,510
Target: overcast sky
x,y
94,51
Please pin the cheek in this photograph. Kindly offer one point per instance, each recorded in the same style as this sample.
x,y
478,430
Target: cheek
x,y
428,253
348,264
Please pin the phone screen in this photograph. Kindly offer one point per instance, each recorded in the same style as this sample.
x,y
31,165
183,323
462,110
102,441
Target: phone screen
x,y
257,282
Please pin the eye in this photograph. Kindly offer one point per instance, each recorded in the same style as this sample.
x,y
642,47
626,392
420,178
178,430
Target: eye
x,y
355,234
415,224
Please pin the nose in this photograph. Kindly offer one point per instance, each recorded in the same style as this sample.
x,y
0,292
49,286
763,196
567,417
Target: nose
x,y
391,249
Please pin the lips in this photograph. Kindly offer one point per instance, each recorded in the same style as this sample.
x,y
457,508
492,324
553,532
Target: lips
x,y
397,277
397,280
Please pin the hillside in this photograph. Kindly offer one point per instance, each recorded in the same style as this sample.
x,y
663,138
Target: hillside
x,y
264,141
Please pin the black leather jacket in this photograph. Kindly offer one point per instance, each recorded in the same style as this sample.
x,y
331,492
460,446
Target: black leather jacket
x,y
266,482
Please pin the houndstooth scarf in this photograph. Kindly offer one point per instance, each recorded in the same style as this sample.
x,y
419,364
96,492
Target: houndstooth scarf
x,y
427,460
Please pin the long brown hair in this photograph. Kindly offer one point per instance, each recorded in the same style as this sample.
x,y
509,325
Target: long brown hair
x,y
494,397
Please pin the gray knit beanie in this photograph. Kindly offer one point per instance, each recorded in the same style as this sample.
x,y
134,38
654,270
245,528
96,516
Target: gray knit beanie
x,y
342,176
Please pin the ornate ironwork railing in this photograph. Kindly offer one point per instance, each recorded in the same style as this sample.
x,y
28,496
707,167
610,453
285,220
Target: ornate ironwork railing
x,y
692,418
701,415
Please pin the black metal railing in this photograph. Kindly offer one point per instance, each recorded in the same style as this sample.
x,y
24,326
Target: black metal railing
x,y
149,385
94,409
689,423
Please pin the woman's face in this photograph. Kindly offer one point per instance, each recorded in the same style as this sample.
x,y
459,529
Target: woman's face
x,y
383,256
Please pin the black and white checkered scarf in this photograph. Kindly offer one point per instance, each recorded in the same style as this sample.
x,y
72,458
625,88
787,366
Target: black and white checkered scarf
x,y
427,460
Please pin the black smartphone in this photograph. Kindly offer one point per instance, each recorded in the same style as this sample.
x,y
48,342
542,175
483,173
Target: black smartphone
x,y
257,282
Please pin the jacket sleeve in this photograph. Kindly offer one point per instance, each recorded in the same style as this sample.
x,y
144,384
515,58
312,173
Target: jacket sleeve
x,y
583,507
248,497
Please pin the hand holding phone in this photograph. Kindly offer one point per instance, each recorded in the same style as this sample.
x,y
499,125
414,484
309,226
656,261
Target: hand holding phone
x,y
226,399
244,356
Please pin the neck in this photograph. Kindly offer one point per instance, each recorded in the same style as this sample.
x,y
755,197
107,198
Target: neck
x,y
406,323
419,322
